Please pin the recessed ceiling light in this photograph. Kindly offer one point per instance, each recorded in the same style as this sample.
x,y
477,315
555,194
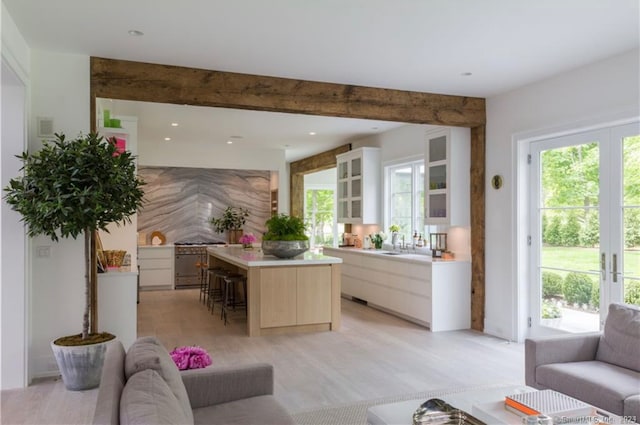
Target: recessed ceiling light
x,y
166,139
312,133
174,124
466,74
229,142
135,33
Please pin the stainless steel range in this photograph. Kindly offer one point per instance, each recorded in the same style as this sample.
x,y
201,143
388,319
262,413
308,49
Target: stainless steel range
x,y
190,258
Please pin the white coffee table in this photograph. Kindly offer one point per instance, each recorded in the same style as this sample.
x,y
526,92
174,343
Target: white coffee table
x,y
492,399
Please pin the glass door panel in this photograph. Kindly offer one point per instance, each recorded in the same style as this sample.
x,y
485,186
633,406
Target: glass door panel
x,y
630,266
569,267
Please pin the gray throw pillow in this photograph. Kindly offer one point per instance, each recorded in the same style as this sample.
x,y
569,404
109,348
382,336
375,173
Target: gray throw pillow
x,y
147,399
149,353
620,341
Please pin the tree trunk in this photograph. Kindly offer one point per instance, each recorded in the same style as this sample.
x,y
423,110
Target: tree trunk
x,y
93,283
87,279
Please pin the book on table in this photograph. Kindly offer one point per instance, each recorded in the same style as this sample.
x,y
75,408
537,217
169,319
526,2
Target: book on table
x,y
546,402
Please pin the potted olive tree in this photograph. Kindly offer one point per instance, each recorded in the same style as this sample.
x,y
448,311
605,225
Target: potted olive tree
x,y
231,221
285,236
67,189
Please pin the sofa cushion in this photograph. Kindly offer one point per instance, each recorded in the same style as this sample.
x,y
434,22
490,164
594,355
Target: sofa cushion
x,y
598,383
147,353
632,407
111,384
254,410
147,399
620,341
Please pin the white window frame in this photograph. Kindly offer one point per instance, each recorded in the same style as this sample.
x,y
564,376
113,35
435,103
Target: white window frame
x,y
414,162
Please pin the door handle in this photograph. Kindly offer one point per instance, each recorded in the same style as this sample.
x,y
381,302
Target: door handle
x,y
603,265
614,268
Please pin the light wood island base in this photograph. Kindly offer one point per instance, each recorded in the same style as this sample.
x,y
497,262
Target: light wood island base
x,y
286,295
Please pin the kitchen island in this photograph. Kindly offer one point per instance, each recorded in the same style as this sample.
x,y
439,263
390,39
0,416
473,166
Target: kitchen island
x,y
300,294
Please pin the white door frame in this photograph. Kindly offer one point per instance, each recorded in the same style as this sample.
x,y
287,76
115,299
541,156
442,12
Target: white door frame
x,y
520,231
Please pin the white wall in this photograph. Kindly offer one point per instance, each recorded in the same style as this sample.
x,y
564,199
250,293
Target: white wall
x,y
591,95
13,260
60,90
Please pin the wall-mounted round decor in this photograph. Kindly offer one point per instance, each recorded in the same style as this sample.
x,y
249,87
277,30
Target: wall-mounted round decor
x,y
496,181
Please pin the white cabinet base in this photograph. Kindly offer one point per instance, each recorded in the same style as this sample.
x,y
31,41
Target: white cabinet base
x,y
117,305
436,295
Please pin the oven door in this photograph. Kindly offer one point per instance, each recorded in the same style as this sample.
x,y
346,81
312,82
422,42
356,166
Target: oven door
x,y
188,272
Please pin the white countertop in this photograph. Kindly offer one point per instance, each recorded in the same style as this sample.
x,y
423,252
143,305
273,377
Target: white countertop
x,y
255,258
404,256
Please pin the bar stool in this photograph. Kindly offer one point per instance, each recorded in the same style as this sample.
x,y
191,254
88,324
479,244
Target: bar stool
x,y
216,286
204,282
229,294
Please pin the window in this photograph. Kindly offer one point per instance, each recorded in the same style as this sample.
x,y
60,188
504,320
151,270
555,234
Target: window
x,y
319,212
405,197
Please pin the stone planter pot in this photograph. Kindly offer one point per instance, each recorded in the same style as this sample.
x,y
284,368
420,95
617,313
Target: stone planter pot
x,y
285,249
80,366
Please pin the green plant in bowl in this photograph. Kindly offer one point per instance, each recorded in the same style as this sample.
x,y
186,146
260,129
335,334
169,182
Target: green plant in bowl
x,y
285,236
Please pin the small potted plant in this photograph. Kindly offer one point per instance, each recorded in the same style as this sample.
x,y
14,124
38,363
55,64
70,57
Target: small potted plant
x,y
67,189
247,240
285,237
377,239
231,221
394,229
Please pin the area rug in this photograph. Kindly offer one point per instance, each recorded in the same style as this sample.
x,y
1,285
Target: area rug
x,y
356,413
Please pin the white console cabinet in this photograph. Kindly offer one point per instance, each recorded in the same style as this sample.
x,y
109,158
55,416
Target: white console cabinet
x,y
433,294
156,267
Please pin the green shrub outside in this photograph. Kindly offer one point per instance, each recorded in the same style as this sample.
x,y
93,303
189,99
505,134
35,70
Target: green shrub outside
x,y
595,294
550,310
591,232
571,231
553,234
577,288
632,292
551,284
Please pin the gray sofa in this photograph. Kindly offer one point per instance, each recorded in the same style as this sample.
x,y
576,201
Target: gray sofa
x,y
144,386
602,369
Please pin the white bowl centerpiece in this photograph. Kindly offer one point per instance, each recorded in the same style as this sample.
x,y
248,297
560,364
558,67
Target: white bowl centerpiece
x,y
285,236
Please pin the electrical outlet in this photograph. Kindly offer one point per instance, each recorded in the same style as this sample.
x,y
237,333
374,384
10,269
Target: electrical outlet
x,y
43,251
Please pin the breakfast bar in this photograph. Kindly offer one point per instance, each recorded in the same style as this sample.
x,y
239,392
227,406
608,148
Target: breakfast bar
x,y
300,294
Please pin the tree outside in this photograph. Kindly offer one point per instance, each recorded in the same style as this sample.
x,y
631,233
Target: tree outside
x,y
570,224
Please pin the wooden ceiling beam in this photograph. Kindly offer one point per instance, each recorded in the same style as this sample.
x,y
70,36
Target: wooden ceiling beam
x,y
118,79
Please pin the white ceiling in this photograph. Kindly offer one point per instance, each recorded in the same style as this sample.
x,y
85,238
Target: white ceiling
x,y
418,45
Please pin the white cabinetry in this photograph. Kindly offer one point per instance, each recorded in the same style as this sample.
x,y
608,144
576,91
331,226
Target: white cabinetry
x,y
156,267
433,294
359,186
447,165
117,305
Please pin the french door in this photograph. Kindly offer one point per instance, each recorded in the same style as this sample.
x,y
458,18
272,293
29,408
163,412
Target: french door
x,y
585,228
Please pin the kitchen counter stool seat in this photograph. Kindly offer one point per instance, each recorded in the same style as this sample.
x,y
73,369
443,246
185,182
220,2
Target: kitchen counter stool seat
x,y
216,284
230,300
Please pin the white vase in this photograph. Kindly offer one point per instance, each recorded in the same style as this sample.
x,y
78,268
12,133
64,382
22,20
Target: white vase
x,y
80,366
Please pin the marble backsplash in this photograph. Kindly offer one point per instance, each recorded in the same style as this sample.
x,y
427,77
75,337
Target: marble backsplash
x,y
179,201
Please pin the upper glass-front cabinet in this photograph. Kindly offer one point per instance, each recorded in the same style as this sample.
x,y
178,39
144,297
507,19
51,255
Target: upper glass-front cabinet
x,y
447,162
359,186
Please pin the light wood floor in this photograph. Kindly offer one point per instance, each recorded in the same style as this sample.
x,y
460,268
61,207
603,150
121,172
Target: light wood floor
x,y
374,355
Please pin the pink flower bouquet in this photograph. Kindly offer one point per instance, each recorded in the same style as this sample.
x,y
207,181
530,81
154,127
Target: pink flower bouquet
x,y
247,240
193,357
